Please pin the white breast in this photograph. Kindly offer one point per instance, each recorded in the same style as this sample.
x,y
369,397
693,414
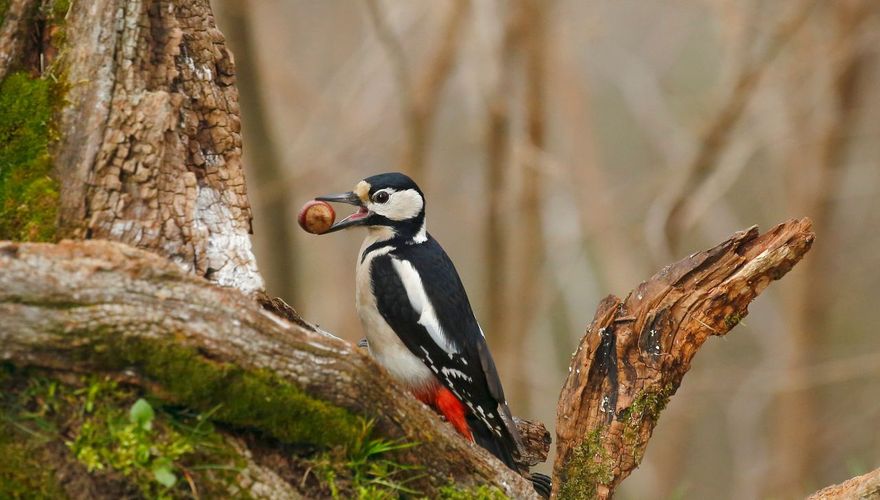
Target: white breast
x,y
385,346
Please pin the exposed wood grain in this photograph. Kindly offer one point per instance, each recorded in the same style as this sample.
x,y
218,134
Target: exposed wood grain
x,y
536,442
637,350
865,487
61,303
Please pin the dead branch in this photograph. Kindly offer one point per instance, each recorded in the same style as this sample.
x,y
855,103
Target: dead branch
x,y
106,307
531,229
497,157
667,214
864,486
637,350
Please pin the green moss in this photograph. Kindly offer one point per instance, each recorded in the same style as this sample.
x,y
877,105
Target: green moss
x,y
733,320
28,194
55,14
23,466
646,407
365,469
23,471
590,466
482,492
59,10
647,404
119,439
133,446
254,399
4,6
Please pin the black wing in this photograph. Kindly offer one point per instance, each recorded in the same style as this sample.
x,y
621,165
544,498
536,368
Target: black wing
x,y
461,359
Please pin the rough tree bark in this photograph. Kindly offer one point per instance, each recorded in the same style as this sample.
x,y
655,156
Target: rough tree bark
x,y
637,350
148,155
861,487
150,149
106,307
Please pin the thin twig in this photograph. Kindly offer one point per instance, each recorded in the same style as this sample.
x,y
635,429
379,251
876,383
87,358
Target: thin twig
x,y
663,225
420,95
426,94
392,46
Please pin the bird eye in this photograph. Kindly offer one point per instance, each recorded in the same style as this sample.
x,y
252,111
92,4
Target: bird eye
x,y
380,197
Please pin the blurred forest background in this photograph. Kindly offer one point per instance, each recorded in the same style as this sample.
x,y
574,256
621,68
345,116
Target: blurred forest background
x,y
568,150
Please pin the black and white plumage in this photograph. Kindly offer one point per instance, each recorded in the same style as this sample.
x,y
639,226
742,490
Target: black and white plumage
x,y
417,316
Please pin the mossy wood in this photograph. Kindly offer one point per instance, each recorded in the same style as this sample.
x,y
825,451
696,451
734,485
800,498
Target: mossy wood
x,y
104,307
637,349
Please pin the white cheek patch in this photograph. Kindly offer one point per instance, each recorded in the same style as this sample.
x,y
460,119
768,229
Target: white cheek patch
x,y
401,205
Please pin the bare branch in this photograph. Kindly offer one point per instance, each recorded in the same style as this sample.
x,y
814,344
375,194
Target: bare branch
x,y
637,350
393,48
497,157
420,94
665,216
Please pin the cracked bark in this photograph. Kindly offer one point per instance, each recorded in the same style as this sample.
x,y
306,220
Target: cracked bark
x,y
862,487
61,303
637,349
150,149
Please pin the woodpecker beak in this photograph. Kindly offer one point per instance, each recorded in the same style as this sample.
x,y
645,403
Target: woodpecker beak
x,y
356,219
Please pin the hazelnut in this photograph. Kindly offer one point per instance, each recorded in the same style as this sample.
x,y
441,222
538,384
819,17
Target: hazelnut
x,y
316,217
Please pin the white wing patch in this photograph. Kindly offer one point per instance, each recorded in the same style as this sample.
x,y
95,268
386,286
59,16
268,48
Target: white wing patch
x,y
418,299
452,372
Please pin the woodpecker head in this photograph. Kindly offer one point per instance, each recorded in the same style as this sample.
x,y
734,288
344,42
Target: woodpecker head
x,y
389,201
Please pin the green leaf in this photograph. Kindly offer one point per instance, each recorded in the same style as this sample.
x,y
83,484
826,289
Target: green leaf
x,y
142,414
164,476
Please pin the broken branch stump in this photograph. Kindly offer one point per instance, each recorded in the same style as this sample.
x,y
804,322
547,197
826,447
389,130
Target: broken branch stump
x,y
637,349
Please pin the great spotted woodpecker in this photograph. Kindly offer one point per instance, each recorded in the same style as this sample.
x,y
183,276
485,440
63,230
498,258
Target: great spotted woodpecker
x,y
417,317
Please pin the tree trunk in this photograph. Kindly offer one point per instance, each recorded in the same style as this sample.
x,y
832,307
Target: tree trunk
x,y
150,148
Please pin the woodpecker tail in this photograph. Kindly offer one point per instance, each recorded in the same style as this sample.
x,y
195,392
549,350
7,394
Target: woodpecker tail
x,y
503,447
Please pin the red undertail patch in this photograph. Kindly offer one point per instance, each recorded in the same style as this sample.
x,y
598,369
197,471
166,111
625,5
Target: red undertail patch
x,y
445,402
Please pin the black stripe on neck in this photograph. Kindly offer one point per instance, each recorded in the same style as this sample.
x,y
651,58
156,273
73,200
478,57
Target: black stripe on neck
x,y
391,242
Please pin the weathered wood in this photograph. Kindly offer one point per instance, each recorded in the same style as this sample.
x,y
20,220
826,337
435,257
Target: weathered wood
x,y
150,145
12,33
637,350
88,306
861,487
536,442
